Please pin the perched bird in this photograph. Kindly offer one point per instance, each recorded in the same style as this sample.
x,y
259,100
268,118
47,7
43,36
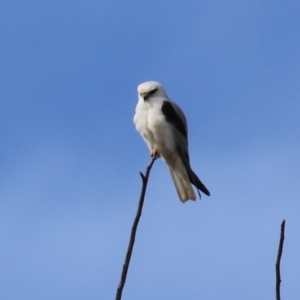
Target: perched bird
x,y
163,126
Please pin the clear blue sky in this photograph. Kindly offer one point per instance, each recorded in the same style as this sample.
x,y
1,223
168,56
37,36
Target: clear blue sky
x,y
70,155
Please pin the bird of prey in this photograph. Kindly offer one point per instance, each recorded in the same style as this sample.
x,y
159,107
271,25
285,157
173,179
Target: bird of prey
x,y
163,126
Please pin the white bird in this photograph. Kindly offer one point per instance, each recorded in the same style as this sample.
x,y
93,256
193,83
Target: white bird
x,y
163,126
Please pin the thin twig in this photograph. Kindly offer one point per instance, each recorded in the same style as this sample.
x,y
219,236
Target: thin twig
x,y
280,248
133,230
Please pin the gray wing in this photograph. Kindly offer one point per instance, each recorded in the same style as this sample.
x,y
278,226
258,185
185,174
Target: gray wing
x,y
174,115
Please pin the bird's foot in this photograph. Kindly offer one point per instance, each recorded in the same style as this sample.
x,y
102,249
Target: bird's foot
x,y
154,153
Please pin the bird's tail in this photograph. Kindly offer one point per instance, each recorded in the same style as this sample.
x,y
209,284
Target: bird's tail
x,y
183,186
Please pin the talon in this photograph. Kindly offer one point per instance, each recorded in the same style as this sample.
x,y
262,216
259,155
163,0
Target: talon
x,y
154,153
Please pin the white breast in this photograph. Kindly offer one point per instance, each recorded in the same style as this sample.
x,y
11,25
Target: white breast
x,y
151,124
141,122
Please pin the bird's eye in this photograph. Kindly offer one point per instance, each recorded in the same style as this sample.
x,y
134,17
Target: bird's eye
x,y
152,92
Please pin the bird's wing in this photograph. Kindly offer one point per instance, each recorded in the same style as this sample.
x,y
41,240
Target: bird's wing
x,y
175,116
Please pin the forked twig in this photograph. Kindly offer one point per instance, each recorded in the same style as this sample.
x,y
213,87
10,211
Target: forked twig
x,y
133,229
280,248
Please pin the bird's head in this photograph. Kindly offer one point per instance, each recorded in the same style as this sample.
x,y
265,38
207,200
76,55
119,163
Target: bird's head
x,y
150,89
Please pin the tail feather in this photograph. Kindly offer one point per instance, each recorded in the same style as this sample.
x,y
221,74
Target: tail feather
x,y
183,177
183,187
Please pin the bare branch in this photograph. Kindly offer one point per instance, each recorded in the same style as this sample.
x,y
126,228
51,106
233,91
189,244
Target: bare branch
x,y
133,230
280,248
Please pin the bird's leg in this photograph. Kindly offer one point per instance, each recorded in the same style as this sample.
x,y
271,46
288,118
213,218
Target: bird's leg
x,y
154,153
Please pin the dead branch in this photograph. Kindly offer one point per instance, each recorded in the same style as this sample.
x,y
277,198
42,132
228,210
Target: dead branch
x,y
280,248
133,229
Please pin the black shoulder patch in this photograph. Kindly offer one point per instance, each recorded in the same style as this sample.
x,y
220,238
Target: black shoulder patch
x,y
172,117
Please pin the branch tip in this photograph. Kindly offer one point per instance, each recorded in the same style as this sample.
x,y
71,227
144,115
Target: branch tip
x,y
143,176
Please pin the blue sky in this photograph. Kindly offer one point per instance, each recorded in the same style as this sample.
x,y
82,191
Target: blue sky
x,y
70,155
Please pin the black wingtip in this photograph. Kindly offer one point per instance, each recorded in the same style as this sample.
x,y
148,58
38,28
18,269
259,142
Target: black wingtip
x,y
207,192
198,184
203,189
